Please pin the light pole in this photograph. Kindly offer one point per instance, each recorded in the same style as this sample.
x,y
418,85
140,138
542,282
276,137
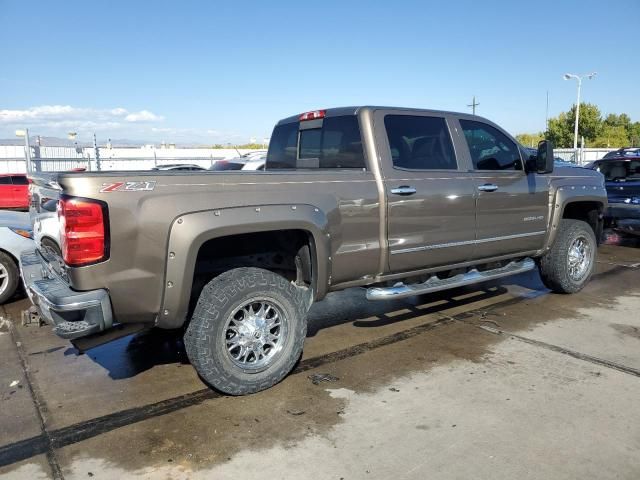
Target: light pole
x,y
569,76
27,147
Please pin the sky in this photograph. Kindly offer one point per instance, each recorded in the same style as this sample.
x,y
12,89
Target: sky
x,y
217,72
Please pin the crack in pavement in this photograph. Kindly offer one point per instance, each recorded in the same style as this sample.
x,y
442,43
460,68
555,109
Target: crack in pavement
x,y
555,348
44,442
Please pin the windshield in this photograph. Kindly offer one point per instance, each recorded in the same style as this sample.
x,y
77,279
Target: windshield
x,y
622,171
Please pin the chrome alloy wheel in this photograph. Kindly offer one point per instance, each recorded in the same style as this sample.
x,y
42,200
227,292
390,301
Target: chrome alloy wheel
x,y
579,258
4,278
255,333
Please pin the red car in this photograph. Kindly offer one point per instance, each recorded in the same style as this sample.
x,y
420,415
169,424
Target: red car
x,y
14,190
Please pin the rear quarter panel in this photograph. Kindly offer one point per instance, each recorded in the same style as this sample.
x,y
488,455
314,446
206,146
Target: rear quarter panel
x,y
142,224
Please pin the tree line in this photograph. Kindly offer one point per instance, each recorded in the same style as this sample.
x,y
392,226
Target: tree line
x,y
613,131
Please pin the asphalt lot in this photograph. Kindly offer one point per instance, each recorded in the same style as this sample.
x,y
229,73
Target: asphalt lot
x,y
502,380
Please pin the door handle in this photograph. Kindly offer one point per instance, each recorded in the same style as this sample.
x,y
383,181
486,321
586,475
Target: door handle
x,y
403,190
488,187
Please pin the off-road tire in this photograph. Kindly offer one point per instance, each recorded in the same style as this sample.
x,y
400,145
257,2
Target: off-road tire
x,y
13,277
554,267
205,336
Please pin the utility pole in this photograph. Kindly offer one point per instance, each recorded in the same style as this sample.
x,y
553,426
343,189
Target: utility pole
x,y
473,105
546,115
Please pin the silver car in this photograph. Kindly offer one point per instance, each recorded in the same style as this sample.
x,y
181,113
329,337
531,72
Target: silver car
x,y
16,236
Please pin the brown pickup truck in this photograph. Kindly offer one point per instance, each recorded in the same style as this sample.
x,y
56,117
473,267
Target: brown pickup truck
x,y
400,201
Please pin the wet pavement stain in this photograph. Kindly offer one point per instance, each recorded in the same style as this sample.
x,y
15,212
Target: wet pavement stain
x,y
214,431
629,330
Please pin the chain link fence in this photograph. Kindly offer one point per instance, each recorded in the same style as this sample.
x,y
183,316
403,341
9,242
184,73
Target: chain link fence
x,y
56,159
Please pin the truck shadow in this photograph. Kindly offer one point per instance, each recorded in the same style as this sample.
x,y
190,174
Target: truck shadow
x,y
137,353
352,306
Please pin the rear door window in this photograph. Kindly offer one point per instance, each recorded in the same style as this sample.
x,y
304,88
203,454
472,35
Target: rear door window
x,y
5,180
420,142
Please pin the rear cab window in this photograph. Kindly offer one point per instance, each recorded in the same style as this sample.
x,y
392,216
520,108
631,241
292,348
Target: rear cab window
x,y
333,142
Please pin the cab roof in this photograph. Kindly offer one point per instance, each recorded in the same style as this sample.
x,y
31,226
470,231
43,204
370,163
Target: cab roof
x,y
340,111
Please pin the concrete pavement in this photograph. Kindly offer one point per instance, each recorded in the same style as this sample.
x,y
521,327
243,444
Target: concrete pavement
x,y
495,381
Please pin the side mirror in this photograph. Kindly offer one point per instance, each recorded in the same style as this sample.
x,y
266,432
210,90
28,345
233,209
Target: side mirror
x,y
544,159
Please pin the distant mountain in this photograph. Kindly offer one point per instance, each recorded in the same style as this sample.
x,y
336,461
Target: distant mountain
x,y
44,141
65,142
115,142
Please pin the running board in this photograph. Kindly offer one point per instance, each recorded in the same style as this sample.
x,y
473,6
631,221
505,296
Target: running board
x,y
434,284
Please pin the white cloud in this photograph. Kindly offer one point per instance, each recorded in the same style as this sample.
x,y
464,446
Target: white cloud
x,y
56,115
143,116
116,122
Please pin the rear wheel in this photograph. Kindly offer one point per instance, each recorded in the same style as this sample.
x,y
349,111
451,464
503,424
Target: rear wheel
x,y
567,267
247,330
49,244
9,277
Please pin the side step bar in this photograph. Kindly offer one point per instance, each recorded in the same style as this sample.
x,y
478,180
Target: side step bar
x,y
434,284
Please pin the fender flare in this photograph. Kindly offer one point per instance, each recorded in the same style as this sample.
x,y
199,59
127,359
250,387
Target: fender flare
x,y
566,195
190,231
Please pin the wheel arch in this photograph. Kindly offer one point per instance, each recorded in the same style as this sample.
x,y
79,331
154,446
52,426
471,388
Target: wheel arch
x,y
190,233
582,202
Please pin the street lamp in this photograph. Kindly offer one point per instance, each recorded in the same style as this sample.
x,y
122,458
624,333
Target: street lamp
x,y
569,76
27,147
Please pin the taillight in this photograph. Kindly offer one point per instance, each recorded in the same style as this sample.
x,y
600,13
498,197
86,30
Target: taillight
x,y
312,115
83,231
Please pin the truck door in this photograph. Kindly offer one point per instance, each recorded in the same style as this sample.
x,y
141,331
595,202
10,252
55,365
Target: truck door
x,y
20,191
430,195
512,205
6,192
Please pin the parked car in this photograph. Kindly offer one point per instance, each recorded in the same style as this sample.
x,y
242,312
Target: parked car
x,y
178,167
15,238
254,160
254,154
255,163
401,201
622,181
224,165
531,153
46,225
623,152
14,191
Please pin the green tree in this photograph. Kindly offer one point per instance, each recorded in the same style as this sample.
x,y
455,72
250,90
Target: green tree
x,y
561,128
621,120
530,139
634,134
611,137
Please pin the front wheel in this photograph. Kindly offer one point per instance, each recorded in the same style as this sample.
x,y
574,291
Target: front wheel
x,y
9,277
247,330
568,265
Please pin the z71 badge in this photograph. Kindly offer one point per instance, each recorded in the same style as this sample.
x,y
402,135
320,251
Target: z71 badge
x,y
128,187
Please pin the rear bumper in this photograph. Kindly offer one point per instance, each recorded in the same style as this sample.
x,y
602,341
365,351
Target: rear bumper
x,y
74,314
